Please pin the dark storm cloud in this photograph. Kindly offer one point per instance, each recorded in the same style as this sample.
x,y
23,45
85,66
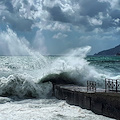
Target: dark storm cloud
x,y
81,17
25,2
18,23
108,23
57,14
113,20
115,14
8,5
13,18
78,13
92,8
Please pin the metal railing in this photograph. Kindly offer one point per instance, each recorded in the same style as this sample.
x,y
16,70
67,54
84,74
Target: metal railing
x,y
91,86
112,85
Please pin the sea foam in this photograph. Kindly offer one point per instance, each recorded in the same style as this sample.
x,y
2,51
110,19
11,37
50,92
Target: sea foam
x,y
22,87
25,73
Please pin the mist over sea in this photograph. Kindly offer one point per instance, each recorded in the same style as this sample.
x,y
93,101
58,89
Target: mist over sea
x,y
25,95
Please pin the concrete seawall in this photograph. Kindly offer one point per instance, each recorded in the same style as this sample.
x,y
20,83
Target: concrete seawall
x,y
107,104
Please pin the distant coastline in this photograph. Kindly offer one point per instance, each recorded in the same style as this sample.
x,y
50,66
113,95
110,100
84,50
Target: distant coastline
x,y
112,51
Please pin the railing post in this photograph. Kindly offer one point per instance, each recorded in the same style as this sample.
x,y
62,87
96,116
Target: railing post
x,y
95,86
109,85
87,86
91,86
105,85
116,85
112,85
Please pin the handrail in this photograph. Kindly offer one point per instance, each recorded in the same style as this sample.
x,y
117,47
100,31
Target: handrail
x,y
91,86
112,85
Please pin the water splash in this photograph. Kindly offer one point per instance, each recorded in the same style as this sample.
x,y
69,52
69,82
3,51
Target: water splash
x,y
23,87
71,67
75,67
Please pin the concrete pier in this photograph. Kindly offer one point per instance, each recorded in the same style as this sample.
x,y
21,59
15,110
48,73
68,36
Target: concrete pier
x,y
100,102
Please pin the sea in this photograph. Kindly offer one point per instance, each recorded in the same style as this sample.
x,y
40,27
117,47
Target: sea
x,y
26,89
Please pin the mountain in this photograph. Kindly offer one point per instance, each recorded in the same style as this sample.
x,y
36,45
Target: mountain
x,y
112,51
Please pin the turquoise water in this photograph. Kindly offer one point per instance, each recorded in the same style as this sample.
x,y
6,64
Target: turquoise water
x,y
107,63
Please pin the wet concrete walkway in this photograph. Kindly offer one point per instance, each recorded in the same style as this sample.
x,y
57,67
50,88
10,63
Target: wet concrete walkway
x,y
99,101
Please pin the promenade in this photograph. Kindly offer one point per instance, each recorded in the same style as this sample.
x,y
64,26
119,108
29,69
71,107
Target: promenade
x,y
101,101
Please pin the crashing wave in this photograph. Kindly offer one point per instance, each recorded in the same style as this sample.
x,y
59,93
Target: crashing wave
x,y
21,87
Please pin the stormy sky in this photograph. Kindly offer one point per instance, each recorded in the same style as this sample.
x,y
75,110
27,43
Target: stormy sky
x,y
56,26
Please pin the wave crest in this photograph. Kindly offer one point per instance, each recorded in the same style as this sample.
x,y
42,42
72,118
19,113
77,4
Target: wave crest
x,y
22,87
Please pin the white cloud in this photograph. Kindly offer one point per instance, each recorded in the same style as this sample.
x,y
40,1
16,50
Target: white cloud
x,y
118,29
53,26
31,9
94,21
59,36
58,26
117,20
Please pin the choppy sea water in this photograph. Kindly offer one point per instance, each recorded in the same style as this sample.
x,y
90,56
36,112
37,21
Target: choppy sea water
x,y
25,96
